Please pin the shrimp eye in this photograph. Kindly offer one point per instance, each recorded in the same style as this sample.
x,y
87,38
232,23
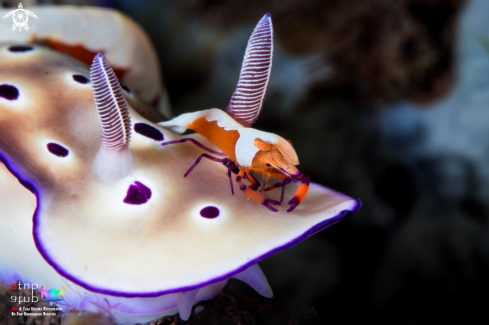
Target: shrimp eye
x,y
262,145
290,142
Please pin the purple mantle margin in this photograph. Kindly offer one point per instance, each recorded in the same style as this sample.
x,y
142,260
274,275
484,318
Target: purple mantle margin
x,y
28,185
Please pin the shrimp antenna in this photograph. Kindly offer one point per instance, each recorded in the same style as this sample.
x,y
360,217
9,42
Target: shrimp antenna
x,y
247,100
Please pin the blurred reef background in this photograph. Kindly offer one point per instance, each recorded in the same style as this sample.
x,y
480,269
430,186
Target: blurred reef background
x,y
385,100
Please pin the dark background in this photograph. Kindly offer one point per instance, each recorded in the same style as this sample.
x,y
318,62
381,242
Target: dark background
x,y
385,100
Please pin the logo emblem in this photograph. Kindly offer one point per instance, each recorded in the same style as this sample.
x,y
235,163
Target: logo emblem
x,y
53,294
20,17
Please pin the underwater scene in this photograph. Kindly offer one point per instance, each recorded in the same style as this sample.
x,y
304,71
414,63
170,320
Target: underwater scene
x,y
244,162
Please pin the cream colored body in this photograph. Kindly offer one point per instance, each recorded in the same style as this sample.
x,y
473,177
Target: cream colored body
x,y
123,42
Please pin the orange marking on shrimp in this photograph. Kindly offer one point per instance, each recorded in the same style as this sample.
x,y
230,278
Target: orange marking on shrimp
x,y
262,145
224,140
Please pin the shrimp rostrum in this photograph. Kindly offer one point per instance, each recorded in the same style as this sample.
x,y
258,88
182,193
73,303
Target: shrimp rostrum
x,y
245,149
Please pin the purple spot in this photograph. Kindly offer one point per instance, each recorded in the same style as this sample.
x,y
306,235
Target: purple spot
x,y
148,131
20,48
57,150
9,92
209,212
138,193
81,79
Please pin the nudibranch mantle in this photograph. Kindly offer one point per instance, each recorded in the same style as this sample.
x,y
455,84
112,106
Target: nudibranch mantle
x,y
81,31
146,260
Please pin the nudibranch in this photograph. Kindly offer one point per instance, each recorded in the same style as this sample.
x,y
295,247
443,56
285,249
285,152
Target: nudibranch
x,y
246,148
90,199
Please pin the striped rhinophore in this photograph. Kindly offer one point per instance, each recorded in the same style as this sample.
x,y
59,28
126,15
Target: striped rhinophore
x,y
111,104
247,100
